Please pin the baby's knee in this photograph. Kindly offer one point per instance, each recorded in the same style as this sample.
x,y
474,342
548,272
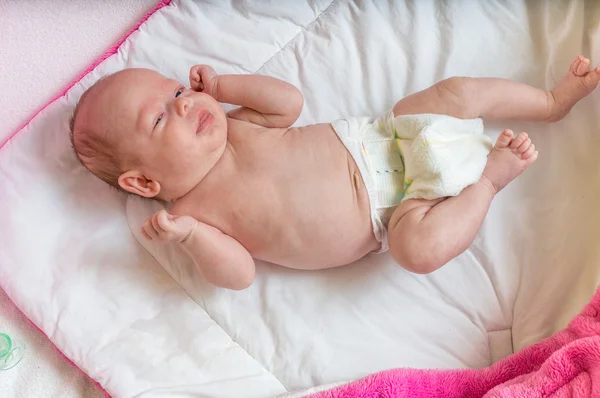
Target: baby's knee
x,y
461,92
416,257
421,263
457,86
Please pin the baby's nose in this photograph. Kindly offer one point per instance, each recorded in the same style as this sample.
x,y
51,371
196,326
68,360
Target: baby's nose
x,y
183,105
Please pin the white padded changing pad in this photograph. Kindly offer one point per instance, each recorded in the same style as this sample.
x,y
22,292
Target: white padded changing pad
x,y
137,318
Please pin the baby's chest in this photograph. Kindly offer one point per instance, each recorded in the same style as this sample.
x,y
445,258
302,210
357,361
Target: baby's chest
x,y
234,206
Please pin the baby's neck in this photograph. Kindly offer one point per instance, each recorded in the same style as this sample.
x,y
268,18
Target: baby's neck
x,y
226,157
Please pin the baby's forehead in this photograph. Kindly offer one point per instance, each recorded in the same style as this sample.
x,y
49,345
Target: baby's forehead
x,y
135,78
128,85
135,85
118,99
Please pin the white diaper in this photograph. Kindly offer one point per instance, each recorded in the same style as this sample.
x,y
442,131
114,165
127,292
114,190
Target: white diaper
x,y
413,157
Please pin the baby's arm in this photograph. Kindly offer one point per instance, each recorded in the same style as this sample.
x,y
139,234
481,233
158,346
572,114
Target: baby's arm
x,y
220,259
264,100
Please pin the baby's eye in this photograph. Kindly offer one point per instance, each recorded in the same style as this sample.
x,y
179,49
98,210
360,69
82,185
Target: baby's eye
x,y
158,120
179,92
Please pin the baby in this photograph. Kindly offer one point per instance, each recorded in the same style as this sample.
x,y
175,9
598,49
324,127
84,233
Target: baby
x,y
244,184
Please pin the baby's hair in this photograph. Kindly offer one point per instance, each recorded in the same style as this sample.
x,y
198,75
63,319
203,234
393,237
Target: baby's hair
x,y
92,149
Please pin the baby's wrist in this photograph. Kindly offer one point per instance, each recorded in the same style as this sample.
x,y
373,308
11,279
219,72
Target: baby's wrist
x,y
215,91
189,236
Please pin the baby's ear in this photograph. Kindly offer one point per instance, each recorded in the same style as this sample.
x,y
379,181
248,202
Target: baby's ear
x,y
137,183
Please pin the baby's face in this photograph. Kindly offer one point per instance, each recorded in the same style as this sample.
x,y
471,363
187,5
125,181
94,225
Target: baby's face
x,y
173,135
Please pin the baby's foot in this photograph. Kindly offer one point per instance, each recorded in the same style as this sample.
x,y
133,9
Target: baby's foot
x,y
509,158
579,82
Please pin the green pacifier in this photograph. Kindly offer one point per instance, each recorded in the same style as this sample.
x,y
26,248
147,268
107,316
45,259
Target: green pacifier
x,y
10,353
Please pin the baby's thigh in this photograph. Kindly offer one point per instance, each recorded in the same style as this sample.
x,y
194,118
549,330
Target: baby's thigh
x,y
418,103
410,212
448,97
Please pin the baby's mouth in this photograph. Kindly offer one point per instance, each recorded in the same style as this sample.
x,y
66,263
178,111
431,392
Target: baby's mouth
x,y
205,119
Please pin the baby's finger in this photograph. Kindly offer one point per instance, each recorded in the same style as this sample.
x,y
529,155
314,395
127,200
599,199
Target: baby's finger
x,y
194,74
143,231
150,231
154,222
197,85
196,78
163,221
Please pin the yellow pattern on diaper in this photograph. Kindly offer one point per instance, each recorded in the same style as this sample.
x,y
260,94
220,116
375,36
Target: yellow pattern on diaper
x,y
407,184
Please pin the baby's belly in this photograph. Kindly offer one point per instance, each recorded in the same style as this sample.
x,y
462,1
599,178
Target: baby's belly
x,y
325,226
319,242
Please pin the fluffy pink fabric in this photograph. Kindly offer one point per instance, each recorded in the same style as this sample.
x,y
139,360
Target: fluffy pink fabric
x,y
98,61
564,365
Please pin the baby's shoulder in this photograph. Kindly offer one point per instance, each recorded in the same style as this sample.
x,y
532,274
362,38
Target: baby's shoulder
x,y
241,125
241,131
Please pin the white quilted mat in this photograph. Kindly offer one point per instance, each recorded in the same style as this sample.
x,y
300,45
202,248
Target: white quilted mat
x,y
70,262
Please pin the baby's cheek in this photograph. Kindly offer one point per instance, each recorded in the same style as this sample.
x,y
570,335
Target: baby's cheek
x,y
177,141
219,138
190,155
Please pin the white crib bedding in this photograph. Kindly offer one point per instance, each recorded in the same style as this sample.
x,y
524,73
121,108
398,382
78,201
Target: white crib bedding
x,y
136,317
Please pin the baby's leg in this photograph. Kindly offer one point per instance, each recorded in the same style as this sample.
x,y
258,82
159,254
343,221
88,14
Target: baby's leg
x,y
500,99
426,234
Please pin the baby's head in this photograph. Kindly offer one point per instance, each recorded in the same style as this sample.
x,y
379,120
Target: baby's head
x,y
148,135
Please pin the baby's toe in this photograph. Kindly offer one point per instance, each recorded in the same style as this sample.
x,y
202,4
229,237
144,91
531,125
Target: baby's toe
x,y
504,139
524,146
531,159
583,67
529,152
575,64
520,139
592,78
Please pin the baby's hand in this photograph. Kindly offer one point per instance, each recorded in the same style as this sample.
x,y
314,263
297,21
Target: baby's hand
x,y
203,78
163,227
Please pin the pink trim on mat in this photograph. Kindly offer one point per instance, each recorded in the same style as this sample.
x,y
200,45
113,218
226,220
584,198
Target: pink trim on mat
x,y
90,68
111,51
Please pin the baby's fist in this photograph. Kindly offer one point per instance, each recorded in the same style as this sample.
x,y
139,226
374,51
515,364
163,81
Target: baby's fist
x,y
203,78
164,227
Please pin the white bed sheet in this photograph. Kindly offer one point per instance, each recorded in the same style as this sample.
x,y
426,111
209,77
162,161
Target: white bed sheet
x,y
142,331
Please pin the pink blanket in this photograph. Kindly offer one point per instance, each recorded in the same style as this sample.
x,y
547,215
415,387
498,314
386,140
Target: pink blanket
x,y
564,365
